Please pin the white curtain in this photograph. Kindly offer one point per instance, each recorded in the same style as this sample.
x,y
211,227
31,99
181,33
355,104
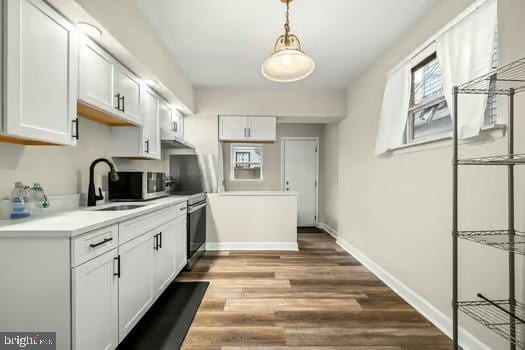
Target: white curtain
x,y
464,53
395,110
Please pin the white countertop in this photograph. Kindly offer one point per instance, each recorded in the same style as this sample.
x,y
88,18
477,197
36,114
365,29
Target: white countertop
x,y
258,193
76,222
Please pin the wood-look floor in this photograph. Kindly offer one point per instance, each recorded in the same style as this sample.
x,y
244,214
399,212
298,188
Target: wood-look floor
x,y
317,298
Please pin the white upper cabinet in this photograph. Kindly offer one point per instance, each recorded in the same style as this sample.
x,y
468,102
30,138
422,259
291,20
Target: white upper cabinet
x,y
171,122
142,142
151,132
96,77
262,128
247,129
178,120
107,86
41,67
167,126
233,128
128,94
95,303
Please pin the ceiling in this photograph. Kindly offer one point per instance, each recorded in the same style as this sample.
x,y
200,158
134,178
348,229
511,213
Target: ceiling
x,y
222,43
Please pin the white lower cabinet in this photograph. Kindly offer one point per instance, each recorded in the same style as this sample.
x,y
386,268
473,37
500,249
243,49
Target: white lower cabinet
x,y
93,288
136,292
95,304
165,255
181,255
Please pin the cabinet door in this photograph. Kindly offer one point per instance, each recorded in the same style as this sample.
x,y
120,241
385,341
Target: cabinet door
x,y
150,129
96,77
41,71
262,128
95,304
233,128
128,90
165,256
167,124
181,234
178,121
136,283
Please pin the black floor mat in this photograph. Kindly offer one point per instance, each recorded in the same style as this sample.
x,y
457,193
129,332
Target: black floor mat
x,y
165,325
308,229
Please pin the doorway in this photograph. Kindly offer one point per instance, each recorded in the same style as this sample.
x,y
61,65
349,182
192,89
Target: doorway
x,y
300,173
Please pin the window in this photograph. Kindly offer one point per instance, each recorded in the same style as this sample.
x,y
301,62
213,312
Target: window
x,y
428,112
247,162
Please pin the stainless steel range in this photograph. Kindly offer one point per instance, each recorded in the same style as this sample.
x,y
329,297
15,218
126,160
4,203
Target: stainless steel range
x,y
188,179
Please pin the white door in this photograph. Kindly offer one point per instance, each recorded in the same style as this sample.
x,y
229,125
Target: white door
x,y
165,244
41,70
300,175
128,93
96,77
150,130
233,128
261,128
136,283
181,243
95,304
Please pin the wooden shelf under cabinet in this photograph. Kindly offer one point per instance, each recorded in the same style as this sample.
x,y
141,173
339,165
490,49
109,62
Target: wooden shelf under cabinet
x,y
96,115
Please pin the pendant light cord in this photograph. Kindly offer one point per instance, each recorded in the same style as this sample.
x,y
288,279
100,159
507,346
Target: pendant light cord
x,y
287,25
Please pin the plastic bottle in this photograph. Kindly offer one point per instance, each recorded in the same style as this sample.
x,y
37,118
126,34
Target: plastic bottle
x,y
38,196
19,202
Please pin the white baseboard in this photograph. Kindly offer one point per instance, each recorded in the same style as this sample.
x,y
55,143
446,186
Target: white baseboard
x,y
328,229
278,246
431,313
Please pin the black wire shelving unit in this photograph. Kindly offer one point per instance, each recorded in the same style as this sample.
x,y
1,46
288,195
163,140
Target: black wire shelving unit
x,y
504,317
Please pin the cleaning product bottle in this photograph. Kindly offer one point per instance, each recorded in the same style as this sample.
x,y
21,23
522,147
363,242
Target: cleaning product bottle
x,y
19,205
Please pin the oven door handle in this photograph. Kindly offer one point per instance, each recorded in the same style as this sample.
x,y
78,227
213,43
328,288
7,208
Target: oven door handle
x,y
194,209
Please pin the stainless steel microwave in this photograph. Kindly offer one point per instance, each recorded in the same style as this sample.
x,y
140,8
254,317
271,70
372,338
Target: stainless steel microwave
x,y
138,186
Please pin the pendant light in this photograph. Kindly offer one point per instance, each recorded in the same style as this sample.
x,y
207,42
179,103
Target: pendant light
x,y
288,63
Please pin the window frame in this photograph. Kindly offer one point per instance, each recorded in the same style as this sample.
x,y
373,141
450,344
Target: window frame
x,y
233,161
423,57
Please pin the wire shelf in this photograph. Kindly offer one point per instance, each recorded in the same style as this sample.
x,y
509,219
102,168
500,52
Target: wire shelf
x,y
495,315
496,238
498,82
507,159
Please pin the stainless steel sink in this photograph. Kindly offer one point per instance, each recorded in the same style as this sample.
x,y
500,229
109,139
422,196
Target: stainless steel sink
x,y
121,207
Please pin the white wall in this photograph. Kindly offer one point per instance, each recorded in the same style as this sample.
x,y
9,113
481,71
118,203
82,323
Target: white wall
x,y
397,210
63,170
329,176
201,129
271,159
252,221
134,42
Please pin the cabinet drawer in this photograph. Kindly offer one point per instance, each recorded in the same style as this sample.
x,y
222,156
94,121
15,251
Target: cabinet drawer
x,y
138,226
93,244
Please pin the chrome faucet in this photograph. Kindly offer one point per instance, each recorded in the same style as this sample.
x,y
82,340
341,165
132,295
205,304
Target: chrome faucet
x,y
92,196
